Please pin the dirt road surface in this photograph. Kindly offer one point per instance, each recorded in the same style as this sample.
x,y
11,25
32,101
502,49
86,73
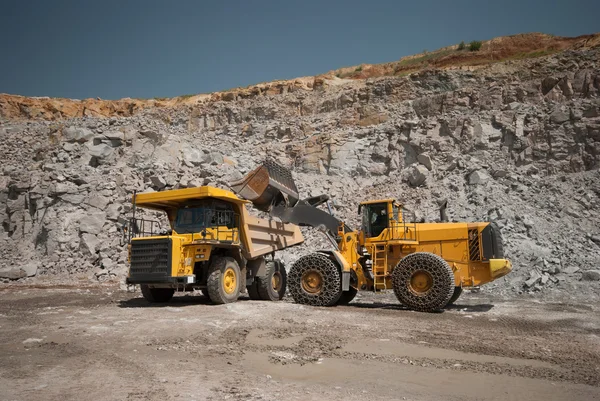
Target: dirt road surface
x,y
105,344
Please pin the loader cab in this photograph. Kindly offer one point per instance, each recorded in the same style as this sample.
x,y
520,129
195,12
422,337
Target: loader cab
x,y
376,216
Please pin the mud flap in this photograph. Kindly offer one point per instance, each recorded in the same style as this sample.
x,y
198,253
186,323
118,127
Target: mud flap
x,y
345,280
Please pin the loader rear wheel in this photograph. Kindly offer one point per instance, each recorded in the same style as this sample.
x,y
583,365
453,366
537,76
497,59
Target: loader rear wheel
x,y
347,296
423,281
455,295
271,286
157,295
315,280
224,280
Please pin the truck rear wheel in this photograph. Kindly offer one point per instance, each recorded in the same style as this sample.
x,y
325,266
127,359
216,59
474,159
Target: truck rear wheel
x,y
157,295
253,290
224,280
423,281
315,280
271,286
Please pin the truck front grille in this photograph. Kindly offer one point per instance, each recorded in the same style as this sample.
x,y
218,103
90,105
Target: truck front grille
x,y
151,258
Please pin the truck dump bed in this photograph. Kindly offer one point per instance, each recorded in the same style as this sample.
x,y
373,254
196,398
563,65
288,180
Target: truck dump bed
x,y
258,236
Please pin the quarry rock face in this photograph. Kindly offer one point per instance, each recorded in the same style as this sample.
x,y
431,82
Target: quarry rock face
x,y
513,142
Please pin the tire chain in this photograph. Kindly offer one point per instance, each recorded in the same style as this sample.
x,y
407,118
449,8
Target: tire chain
x,y
332,284
443,281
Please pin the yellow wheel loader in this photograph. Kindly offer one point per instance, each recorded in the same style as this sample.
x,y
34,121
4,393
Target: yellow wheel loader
x,y
212,244
426,264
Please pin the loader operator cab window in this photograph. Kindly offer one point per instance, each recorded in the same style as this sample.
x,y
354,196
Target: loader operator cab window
x,y
375,219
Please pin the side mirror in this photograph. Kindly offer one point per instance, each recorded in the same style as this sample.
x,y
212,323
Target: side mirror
x,y
359,209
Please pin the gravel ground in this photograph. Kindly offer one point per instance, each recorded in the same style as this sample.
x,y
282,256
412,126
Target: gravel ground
x,y
106,344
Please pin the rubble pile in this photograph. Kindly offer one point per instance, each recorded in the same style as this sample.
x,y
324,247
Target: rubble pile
x,y
515,142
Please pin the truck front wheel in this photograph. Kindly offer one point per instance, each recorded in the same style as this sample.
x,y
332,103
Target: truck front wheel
x,y
157,295
224,280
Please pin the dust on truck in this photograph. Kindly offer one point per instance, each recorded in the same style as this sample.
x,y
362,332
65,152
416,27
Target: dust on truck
x,y
213,244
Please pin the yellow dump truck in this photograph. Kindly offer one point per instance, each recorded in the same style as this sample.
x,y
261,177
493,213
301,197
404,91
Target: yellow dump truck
x,y
426,264
212,244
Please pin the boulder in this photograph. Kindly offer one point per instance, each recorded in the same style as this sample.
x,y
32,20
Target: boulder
x,y
92,223
425,160
534,278
213,158
89,244
417,175
192,157
158,182
77,134
101,151
12,273
591,275
559,116
478,177
158,138
98,201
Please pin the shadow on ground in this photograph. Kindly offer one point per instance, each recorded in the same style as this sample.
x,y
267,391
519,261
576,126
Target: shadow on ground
x,y
481,308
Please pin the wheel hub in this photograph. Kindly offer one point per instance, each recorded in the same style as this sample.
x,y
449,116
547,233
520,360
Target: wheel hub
x,y
421,282
229,281
312,282
276,281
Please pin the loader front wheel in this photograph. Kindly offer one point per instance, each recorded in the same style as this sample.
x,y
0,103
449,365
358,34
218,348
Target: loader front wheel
x,y
271,286
423,281
224,280
157,295
315,280
455,295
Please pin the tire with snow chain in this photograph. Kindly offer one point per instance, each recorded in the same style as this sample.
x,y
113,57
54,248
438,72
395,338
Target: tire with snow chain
x,y
157,295
271,286
347,296
315,280
224,279
455,295
423,281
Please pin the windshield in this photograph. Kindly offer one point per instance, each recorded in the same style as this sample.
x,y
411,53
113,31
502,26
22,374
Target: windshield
x,y
375,219
194,219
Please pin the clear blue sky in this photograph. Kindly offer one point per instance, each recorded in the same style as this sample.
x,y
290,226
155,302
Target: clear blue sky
x,y
146,48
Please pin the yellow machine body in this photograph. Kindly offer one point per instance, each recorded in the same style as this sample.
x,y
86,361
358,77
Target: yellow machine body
x,y
460,244
174,259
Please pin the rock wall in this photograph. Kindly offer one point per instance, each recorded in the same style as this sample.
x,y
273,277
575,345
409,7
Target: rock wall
x,y
515,142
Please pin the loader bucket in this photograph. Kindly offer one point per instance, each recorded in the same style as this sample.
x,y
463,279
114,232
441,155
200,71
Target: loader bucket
x,y
270,184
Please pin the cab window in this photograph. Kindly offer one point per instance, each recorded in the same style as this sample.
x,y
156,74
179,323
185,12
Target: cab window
x,y
195,218
375,219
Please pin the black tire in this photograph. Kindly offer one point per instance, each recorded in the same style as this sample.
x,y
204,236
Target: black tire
x,y
216,282
439,281
157,295
310,269
267,288
253,290
347,296
455,295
